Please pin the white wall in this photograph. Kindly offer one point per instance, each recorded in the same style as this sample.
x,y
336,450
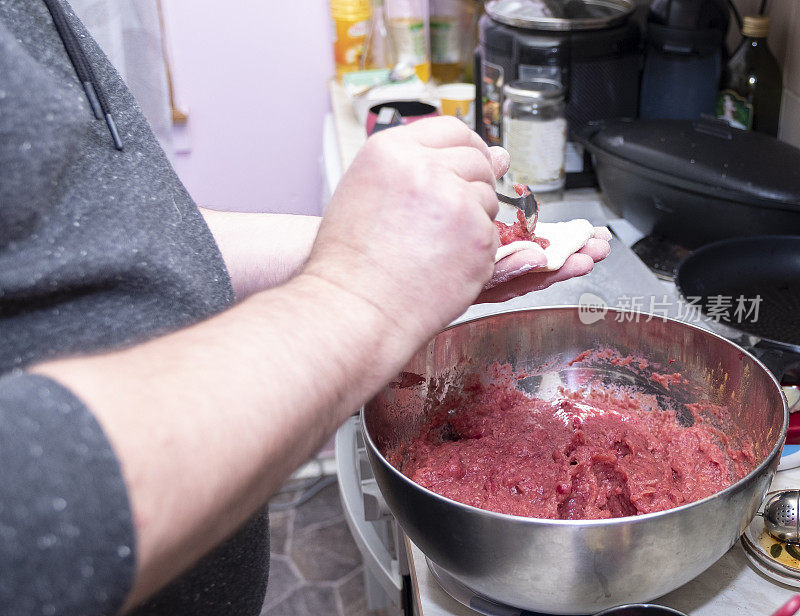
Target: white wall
x,y
253,75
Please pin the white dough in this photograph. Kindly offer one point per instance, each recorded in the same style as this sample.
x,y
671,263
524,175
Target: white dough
x,y
565,238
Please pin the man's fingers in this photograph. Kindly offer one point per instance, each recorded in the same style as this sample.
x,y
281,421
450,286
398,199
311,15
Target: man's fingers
x,y
534,258
602,233
500,161
487,197
517,264
597,249
468,164
447,132
576,265
521,273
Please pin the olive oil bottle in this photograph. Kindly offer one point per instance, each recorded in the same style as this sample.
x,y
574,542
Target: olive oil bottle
x,y
752,85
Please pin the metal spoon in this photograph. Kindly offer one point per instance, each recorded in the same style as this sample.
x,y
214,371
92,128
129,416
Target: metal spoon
x,y
522,200
402,71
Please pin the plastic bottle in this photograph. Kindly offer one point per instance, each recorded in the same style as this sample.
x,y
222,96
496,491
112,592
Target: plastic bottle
x,y
351,23
408,25
377,48
471,40
454,30
752,85
446,18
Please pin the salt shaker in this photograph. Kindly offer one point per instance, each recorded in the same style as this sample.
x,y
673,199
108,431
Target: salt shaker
x,y
535,133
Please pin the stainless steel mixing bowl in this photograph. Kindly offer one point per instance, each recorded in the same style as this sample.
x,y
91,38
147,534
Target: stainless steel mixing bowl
x,y
577,566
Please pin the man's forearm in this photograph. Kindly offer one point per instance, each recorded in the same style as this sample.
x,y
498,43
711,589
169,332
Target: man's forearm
x,y
207,422
261,250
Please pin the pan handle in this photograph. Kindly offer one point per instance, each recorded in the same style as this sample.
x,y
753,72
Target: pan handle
x,y
589,130
714,127
775,357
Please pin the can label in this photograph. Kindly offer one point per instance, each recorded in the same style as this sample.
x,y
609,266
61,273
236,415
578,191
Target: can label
x,y
408,36
537,150
734,109
445,43
492,80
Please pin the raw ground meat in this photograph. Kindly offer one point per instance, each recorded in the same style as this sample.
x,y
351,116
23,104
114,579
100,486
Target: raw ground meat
x,y
518,232
583,456
665,380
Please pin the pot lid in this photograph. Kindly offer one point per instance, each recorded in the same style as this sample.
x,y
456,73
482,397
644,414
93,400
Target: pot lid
x,y
560,14
706,156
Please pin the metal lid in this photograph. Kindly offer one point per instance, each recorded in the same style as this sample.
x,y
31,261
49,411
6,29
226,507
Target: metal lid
x,y
543,90
560,14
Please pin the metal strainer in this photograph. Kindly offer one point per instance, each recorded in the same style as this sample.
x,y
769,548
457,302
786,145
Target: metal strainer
x,y
781,513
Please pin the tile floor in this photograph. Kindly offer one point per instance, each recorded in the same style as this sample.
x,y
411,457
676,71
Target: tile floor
x,y
315,567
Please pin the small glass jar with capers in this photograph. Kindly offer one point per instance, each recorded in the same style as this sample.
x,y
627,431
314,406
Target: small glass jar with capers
x,y
535,133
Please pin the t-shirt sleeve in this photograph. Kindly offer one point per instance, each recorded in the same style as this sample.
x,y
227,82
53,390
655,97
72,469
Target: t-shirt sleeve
x,y
66,529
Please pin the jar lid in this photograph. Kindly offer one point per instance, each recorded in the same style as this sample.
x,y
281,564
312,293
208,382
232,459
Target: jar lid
x,y
560,15
756,26
350,9
543,90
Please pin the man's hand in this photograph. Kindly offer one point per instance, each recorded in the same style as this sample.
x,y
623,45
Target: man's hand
x,y
517,274
410,229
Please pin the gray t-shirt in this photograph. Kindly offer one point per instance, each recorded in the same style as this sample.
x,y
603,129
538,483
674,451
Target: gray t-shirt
x,y
98,249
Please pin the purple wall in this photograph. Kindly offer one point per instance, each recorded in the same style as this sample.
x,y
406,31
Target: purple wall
x,y
253,76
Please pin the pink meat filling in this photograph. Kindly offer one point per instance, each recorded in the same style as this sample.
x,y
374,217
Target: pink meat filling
x,y
586,456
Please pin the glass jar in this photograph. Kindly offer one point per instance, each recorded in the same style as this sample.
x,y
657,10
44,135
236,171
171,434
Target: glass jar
x,y
535,133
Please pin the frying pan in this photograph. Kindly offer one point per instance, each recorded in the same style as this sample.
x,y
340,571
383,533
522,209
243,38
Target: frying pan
x,y
761,266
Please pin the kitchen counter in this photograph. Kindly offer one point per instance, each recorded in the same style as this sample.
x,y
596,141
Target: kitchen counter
x,y
731,586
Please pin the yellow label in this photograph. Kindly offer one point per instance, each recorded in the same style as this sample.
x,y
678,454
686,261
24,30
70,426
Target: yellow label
x,y
348,45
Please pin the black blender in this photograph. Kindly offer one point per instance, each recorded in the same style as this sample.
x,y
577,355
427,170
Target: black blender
x,y
685,53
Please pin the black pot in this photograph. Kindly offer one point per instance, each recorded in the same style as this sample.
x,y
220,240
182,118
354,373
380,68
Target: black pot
x,y
696,182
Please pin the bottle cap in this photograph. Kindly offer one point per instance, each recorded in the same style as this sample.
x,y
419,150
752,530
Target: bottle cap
x,y
756,26
350,9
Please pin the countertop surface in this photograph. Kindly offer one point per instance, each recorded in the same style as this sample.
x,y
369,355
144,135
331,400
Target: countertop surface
x,y
731,586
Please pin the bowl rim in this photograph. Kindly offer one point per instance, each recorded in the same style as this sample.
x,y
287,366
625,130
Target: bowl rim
x,y
734,487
